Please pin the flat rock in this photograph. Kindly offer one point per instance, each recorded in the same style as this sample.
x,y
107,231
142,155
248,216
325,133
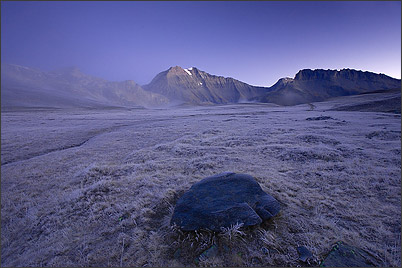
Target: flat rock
x,y
224,200
344,255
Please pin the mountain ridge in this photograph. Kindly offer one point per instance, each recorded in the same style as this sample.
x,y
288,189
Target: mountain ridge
x,y
318,85
178,86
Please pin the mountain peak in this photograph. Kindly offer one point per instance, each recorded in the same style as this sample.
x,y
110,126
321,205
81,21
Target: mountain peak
x,y
196,86
284,81
177,70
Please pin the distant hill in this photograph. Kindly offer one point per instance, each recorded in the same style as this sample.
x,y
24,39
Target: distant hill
x,y
318,85
195,86
69,87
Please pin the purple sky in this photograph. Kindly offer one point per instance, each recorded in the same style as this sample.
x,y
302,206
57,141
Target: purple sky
x,y
254,42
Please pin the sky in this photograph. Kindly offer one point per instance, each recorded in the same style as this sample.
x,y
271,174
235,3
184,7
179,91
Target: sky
x,y
252,41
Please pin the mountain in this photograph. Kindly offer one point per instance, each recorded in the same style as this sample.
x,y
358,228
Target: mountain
x,y
195,86
318,85
69,87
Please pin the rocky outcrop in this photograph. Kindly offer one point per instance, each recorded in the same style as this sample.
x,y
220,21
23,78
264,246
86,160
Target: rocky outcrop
x,y
318,85
195,86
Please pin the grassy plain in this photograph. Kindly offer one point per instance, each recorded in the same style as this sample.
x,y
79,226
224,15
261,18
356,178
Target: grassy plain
x,y
98,187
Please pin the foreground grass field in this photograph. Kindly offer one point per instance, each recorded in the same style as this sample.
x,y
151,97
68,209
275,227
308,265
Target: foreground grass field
x,y
98,187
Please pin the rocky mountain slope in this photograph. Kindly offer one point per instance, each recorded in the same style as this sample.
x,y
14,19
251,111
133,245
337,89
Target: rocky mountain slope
x,y
195,86
69,87
318,85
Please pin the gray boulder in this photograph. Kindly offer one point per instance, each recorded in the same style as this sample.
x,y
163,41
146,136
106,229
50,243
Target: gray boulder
x,y
223,200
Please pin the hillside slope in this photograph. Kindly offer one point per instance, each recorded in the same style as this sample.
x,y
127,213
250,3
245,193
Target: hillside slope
x,y
69,87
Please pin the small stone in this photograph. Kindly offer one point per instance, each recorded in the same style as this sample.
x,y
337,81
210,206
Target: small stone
x,y
177,254
207,254
319,118
343,255
304,253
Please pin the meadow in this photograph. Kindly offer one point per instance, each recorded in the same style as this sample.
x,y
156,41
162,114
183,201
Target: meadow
x,y
97,187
